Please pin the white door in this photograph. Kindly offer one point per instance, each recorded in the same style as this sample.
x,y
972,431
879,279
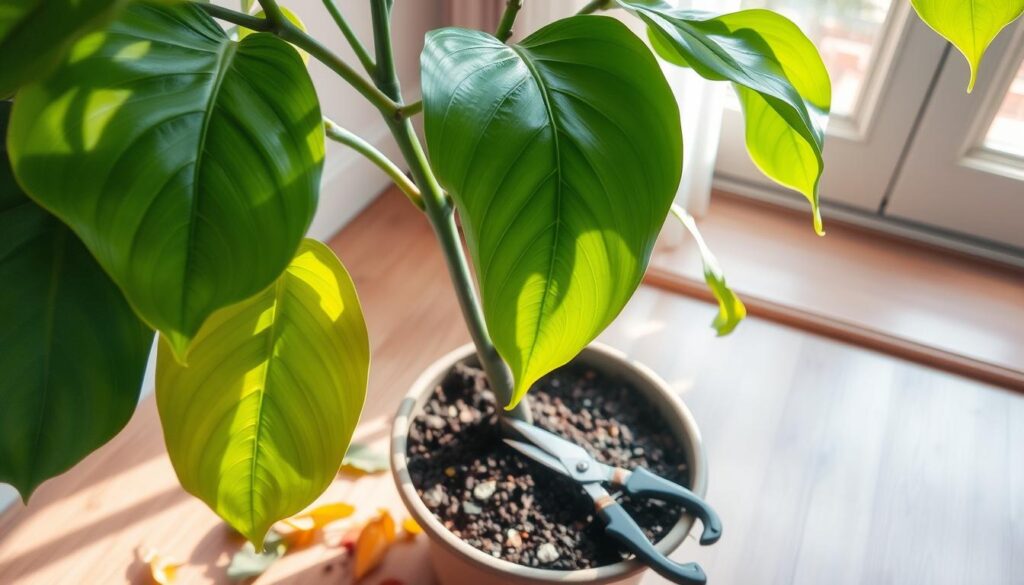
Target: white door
x,y
964,169
882,60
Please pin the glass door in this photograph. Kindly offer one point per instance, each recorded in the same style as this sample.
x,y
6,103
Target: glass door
x,y
964,169
882,60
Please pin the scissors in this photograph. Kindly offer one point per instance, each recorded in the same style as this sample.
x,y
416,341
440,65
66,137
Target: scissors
x,y
573,461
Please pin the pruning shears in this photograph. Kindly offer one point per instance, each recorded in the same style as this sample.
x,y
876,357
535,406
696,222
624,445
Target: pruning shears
x,y
571,460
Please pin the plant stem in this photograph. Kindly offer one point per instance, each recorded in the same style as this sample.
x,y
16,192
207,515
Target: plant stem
x,y
412,109
289,32
594,6
508,18
387,76
441,214
350,36
442,218
335,132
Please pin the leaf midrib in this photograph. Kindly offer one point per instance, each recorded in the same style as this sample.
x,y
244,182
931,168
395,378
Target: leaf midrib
x,y
225,57
544,92
271,342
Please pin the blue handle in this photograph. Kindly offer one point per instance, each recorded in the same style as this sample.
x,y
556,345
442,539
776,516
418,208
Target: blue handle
x,y
622,528
644,483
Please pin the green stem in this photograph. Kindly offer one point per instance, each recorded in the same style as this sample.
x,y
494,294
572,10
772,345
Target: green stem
x,y
508,19
350,36
339,134
441,214
386,77
289,32
410,110
594,6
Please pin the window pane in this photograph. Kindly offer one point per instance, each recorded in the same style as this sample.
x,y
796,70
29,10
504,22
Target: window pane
x,y
846,33
1006,134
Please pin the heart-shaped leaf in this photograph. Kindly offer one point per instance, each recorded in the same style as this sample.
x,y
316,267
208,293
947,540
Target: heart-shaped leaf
x,y
35,34
258,422
970,25
563,154
781,80
73,353
188,164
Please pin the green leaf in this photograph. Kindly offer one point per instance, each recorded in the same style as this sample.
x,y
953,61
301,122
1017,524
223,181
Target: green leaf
x,y
73,352
730,308
36,34
258,422
291,16
970,25
366,460
781,80
563,154
188,164
247,563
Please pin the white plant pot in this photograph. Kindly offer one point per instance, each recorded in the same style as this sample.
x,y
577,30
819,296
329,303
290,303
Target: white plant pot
x,y
457,563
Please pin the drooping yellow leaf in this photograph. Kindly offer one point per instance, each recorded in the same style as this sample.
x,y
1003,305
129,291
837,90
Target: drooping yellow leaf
x,y
163,570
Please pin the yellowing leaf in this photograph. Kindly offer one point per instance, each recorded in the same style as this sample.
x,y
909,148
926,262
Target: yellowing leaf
x,y
411,528
730,308
970,25
301,530
162,569
373,543
258,422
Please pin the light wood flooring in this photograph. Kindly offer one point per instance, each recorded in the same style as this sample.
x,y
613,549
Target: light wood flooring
x,y
830,464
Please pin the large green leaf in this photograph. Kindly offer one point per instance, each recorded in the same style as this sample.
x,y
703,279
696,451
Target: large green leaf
x,y
781,80
189,164
258,422
73,353
35,34
970,25
563,154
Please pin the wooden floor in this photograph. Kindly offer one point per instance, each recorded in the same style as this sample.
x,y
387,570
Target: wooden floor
x,y
936,300
830,464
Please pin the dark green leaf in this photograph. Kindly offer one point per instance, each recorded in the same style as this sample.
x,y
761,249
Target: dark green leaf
x,y
188,164
563,154
35,34
73,353
780,78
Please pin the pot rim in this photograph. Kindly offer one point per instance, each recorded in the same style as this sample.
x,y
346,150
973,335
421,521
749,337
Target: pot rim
x,y
425,383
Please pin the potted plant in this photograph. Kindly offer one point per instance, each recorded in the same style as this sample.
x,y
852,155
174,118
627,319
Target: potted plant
x,y
160,172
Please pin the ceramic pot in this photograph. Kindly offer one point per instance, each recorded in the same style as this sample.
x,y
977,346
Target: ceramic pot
x,y
457,563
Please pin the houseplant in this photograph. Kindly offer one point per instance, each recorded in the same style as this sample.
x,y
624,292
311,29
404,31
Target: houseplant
x,y
161,177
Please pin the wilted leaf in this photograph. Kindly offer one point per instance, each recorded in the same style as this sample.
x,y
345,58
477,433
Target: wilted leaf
x,y
162,570
248,563
373,543
730,308
361,459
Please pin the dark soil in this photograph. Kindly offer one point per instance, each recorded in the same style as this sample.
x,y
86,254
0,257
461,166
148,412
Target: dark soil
x,y
456,457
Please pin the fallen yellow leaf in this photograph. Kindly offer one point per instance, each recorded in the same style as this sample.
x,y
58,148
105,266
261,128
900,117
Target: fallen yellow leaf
x,y
301,530
373,543
411,528
162,569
